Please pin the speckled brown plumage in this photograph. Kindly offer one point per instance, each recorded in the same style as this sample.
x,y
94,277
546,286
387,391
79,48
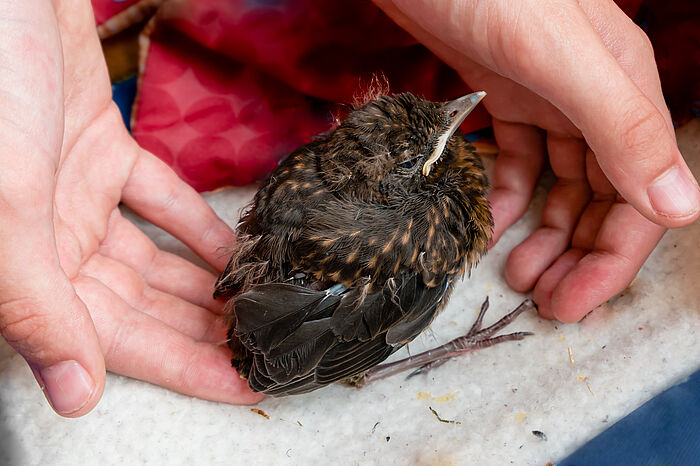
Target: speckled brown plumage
x,y
353,207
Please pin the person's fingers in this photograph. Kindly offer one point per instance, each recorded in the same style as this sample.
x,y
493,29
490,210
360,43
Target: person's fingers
x,y
43,319
603,197
590,222
507,100
542,294
31,84
630,136
86,83
565,202
40,314
157,194
623,243
52,330
518,165
140,346
161,270
185,317
630,46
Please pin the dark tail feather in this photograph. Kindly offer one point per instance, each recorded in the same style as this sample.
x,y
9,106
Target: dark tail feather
x,y
268,314
301,352
421,313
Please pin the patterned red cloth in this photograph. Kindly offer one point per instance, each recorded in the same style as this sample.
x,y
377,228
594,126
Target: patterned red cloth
x,y
227,88
105,9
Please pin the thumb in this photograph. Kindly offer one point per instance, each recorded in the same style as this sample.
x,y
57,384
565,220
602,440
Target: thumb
x,y
554,50
42,318
632,139
40,313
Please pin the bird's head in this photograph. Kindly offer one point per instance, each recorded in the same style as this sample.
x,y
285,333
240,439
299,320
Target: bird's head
x,y
397,144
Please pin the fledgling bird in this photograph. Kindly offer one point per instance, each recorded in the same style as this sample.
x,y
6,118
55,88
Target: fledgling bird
x,y
352,245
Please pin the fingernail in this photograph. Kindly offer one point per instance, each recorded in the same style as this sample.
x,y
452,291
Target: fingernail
x,y
674,194
68,386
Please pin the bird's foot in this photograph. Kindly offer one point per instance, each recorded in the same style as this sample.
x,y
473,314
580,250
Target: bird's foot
x,y
475,339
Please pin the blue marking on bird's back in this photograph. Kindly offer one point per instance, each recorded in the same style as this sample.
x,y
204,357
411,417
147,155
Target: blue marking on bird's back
x,y
337,289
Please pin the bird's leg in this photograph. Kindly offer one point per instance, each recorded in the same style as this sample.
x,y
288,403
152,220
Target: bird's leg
x,y
482,334
475,339
473,330
476,326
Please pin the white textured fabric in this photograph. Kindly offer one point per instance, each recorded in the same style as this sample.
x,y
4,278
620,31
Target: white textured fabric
x,y
630,349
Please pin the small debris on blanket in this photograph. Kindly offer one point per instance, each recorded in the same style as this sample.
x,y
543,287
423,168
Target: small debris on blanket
x,y
571,356
260,412
446,421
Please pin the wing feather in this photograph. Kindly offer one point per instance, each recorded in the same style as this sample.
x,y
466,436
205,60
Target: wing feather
x,y
301,338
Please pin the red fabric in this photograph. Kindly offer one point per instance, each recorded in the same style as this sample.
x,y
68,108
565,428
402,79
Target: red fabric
x,y
216,121
230,87
105,9
674,30
630,7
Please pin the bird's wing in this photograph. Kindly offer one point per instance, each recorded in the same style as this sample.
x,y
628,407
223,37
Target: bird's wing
x,y
408,309
301,339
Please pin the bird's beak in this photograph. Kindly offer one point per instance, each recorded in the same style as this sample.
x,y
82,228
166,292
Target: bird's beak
x,y
456,112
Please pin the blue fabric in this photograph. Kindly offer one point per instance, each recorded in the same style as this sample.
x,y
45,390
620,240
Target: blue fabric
x,y
663,431
123,93
482,134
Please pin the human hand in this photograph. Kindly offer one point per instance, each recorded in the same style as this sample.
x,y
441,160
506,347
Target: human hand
x,y
574,82
81,287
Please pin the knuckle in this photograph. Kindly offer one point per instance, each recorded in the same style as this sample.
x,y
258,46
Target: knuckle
x,y
120,341
211,234
23,325
167,202
190,374
171,200
641,126
160,202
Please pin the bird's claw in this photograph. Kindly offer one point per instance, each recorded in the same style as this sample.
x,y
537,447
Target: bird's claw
x,y
476,338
